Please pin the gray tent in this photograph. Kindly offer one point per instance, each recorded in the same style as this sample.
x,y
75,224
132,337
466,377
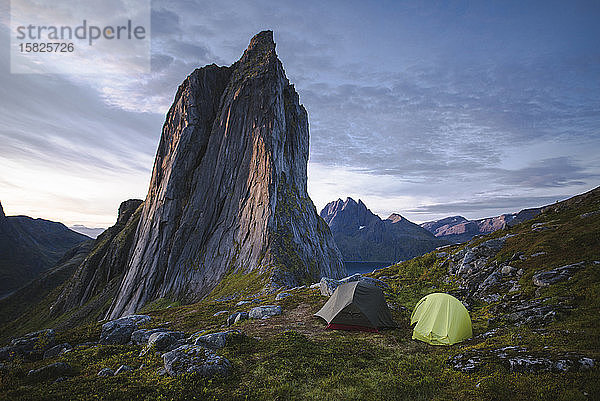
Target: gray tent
x,y
357,306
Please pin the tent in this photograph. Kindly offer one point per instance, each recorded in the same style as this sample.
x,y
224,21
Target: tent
x,y
357,305
441,319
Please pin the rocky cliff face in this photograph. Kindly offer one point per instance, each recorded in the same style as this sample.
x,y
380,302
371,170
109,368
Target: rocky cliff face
x,y
228,189
363,236
29,247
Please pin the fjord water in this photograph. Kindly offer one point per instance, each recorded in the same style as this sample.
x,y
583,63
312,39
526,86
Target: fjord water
x,y
364,267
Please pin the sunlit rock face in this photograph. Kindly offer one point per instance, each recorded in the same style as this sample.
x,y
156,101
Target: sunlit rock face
x,y
228,189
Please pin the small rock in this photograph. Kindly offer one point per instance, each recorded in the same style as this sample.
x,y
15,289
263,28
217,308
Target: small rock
x,y
221,312
248,302
586,363
264,312
508,270
516,287
195,359
106,372
328,286
282,295
51,371
241,316
537,254
236,318
123,369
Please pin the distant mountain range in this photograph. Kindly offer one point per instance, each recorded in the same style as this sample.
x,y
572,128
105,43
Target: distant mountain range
x,y
89,231
29,247
458,229
363,236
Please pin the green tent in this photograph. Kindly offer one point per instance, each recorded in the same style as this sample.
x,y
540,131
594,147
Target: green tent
x,y
357,305
441,319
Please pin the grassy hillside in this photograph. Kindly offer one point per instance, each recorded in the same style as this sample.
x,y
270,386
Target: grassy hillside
x,y
29,247
291,356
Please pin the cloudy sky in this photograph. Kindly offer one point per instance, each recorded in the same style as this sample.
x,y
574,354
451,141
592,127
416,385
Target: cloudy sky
x,y
428,109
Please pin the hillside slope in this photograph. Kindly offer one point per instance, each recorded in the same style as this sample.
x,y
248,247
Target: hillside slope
x,y
30,246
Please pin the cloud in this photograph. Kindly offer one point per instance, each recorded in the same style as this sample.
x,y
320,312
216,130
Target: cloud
x,y
506,204
547,173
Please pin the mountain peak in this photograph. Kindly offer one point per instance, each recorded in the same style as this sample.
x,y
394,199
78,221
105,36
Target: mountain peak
x,y
2,215
258,58
262,41
395,218
228,188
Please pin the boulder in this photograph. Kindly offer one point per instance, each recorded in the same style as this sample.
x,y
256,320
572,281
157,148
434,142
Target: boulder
x,y
195,359
57,350
163,340
141,336
215,340
51,371
264,312
546,278
119,331
106,372
241,316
